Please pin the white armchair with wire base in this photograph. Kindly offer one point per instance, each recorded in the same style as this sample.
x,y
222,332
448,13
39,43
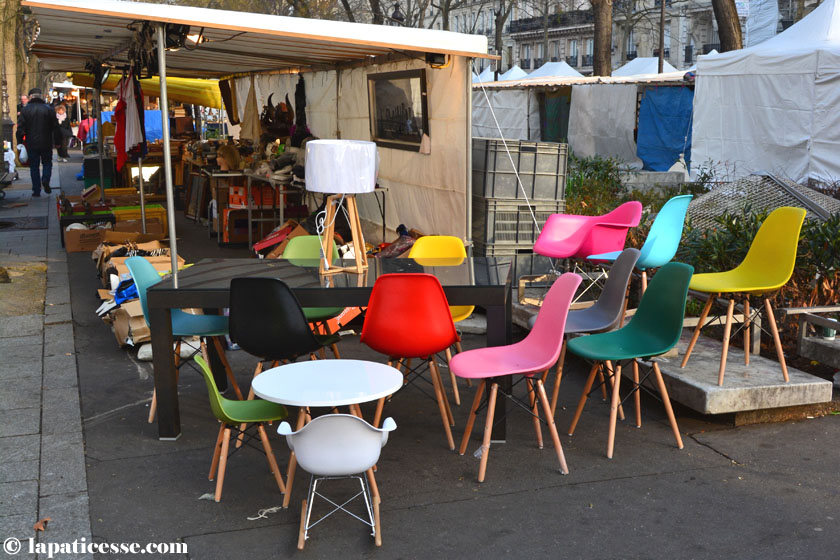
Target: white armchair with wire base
x,y
337,446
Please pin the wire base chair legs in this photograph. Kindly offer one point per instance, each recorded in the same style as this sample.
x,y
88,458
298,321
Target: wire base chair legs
x,y
371,506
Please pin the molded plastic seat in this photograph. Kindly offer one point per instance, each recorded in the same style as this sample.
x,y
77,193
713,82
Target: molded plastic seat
x,y
338,445
567,236
306,250
654,330
417,300
231,414
767,267
536,353
664,236
442,250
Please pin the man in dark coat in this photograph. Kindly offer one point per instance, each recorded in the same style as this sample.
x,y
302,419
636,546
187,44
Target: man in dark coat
x,y
38,130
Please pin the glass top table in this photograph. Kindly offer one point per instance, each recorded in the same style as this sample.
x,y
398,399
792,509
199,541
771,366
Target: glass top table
x,y
481,281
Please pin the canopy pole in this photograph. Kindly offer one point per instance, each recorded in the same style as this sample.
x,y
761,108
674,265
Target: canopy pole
x,y
167,162
142,193
100,143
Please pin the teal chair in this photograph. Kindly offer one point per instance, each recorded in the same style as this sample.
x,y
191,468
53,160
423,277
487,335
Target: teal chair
x,y
654,330
662,240
183,324
232,414
305,250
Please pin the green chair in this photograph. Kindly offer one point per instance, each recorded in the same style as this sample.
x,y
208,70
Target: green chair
x,y
654,330
232,414
305,250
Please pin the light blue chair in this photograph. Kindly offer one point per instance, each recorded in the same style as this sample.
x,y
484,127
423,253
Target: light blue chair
x,y
663,238
183,324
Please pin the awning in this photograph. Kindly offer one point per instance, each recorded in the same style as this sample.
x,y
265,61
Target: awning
x,y
182,90
73,31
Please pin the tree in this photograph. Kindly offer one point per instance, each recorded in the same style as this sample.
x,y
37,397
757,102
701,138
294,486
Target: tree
x,y
602,50
729,26
634,15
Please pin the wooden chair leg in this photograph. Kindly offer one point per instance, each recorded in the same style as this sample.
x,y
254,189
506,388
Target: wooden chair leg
x,y
374,488
488,429
377,523
334,348
471,417
727,330
778,341
613,416
290,472
552,428
746,330
243,425
637,394
214,464
458,350
644,281
153,406
666,401
272,462
535,411
558,376
322,353
696,334
302,531
613,371
220,479
453,379
377,417
223,358
435,372
603,381
585,395
440,396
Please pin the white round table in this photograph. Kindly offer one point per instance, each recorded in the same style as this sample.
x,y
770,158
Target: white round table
x,y
327,383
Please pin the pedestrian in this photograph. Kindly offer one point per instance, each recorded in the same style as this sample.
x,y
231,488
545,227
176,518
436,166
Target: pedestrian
x,y
38,131
24,99
66,131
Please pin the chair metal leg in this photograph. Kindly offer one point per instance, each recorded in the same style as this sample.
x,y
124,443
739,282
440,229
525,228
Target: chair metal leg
x,y
214,464
535,411
440,396
746,330
666,401
220,479
637,394
290,472
272,462
552,428
727,330
488,429
585,395
613,416
471,417
558,376
778,341
696,334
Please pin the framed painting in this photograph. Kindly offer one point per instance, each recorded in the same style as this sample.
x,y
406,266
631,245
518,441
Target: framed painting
x,y
399,114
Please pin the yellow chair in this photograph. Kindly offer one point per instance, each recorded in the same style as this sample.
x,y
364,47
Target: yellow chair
x,y
766,268
444,250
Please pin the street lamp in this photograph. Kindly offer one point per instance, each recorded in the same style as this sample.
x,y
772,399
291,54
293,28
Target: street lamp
x,y
397,18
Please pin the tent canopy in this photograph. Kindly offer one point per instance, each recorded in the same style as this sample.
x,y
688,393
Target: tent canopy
x,y
233,42
643,65
183,90
515,73
487,75
555,69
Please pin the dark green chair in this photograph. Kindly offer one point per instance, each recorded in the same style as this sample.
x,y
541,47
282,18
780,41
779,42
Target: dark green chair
x,y
232,414
654,330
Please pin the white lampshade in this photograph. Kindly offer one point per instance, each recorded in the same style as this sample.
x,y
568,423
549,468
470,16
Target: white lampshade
x,y
341,166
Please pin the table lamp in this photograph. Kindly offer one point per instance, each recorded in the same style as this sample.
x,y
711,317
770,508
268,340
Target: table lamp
x,y
341,168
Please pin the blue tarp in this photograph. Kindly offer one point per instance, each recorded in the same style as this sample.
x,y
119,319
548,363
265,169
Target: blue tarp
x,y
664,122
154,127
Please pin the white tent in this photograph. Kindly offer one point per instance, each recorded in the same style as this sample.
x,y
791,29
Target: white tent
x,y
555,69
773,107
643,65
487,75
515,73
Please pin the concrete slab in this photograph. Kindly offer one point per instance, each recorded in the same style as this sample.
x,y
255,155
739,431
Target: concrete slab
x,y
58,339
19,527
19,497
18,471
57,313
25,393
61,413
62,464
20,448
755,387
60,372
19,422
14,355
822,350
70,520
23,325
26,367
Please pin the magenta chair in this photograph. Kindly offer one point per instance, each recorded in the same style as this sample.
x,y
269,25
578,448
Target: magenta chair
x,y
569,236
537,353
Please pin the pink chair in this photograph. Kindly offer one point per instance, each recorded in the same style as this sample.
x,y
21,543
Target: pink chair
x,y
569,236
537,353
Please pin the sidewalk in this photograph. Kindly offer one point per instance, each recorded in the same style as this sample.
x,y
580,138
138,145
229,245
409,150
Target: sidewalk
x,y
42,472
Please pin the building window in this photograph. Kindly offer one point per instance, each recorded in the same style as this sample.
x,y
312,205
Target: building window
x,y
573,47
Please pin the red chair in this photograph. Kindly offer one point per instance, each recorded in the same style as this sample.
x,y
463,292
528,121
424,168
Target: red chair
x,y
417,300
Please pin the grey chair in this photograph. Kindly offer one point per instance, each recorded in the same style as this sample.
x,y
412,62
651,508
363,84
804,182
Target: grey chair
x,y
605,314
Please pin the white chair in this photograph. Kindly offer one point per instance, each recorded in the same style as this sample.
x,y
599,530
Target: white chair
x,y
338,446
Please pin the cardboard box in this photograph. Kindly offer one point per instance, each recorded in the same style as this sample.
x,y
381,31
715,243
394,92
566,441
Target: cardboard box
x,y
161,264
82,240
276,235
153,226
129,325
277,252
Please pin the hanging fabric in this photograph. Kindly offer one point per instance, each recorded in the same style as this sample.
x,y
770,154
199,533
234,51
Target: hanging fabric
x,y
231,104
129,130
251,128
140,149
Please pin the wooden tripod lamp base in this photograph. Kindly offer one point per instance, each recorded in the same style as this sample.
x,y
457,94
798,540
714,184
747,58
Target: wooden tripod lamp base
x,y
333,208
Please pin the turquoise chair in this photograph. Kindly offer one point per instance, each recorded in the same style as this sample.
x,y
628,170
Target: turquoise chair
x,y
654,330
183,324
305,250
662,240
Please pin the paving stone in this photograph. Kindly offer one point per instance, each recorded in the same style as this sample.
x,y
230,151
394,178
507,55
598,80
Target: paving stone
x,y
62,464
19,422
18,471
60,411
21,353
71,520
20,448
58,339
58,313
14,368
19,527
19,497
60,371
22,325
58,294
29,340
22,393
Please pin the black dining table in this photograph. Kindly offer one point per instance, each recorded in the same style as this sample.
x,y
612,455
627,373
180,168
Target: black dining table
x,y
480,281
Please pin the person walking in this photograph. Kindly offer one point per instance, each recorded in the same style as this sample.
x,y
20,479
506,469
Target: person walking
x,y
38,131
65,130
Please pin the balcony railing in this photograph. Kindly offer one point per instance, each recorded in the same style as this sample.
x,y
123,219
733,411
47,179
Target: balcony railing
x,y
586,60
525,63
538,62
566,19
631,55
709,47
689,54
667,53
553,59
572,61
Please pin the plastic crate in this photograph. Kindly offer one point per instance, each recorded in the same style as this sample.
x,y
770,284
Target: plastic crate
x,y
541,167
509,222
484,250
125,213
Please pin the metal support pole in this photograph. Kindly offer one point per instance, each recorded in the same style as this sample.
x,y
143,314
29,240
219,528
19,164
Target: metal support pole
x,y
661,36
100,142
142,194
167,162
